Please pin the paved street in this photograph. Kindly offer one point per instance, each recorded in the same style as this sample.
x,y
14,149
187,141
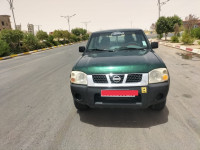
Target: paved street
x,y
37,112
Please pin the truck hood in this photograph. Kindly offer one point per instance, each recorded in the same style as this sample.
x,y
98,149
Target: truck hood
x,y
119,62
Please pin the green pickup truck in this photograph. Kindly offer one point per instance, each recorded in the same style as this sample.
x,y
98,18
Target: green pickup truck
x,y
119,69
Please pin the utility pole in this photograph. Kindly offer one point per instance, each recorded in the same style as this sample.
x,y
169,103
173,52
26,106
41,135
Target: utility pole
x,y
68,20
38,27
11,7
160,4
86,23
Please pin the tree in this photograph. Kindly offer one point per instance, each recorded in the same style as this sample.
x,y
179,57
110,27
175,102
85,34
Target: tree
x,y
13,39
65,35
79,31
166,25
176,29
57,34
173,21
190,21
162,26
41,35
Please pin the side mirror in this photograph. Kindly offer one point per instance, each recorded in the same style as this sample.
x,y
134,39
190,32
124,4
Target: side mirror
x,y
154,45
81,49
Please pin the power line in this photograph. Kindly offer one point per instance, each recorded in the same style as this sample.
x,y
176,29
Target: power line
x,y
68,20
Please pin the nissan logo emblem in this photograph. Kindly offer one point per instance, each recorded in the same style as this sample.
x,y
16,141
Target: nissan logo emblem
x,y
116,78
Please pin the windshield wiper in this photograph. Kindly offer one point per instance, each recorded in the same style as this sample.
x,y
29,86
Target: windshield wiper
x,y
96,49
131,48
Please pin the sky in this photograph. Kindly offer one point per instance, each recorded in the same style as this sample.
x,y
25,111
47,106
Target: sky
x,y
102,14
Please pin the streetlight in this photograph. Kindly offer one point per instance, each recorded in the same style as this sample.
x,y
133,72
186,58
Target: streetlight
x,y
86,23
68,20
11,7
160,4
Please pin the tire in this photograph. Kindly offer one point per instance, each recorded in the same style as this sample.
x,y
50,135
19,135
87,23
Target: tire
x,y
159,106
80,106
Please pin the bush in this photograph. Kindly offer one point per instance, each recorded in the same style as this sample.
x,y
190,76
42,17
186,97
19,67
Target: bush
x,y
30,42
41,45
187,38
13,39
174,39
4,48
196,33
73,38
85,37
41,35
48,43
199,42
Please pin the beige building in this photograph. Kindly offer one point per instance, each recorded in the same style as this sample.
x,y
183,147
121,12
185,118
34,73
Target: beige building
x,y
19,27
5,22
31,28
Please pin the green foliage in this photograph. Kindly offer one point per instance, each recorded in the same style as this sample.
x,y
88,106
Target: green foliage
x,y
4,48
162,26
79,31
57,34
30,42
199,42
50,41
73,38
41,35
160,36
174,21
85,37
65,34
13,39
196,33
174,39
166,25
187,38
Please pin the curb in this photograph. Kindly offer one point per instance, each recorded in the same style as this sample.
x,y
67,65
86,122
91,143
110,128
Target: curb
x,y
191,50
34,51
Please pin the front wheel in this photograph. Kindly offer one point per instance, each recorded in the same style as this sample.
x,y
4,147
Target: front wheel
x,y
80,106
159,106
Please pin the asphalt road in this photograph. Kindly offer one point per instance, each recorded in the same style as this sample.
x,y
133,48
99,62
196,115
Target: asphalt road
x,y
37,112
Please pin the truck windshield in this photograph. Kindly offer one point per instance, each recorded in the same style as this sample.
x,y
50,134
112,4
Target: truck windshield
x,y
130,40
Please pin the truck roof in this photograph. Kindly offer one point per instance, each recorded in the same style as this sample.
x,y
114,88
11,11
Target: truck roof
x,y
118,30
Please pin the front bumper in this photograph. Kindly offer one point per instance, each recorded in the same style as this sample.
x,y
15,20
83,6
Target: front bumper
x,y
91,96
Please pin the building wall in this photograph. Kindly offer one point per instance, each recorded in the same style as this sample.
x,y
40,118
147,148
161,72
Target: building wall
x,y
5,22
31,28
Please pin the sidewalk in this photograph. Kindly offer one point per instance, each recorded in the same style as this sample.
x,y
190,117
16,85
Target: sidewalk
x,y
190,48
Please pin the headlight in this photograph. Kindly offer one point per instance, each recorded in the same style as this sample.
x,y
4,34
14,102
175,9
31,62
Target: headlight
x,y
158,75
78,77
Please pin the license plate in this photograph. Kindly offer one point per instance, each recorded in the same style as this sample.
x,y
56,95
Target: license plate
x,y
119,93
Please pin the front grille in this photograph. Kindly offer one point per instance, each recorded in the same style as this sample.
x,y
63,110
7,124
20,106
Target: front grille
x,y
99,79
134,78
113,81
117,100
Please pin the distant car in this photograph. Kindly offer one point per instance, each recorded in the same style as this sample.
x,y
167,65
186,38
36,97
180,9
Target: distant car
x,y
119,68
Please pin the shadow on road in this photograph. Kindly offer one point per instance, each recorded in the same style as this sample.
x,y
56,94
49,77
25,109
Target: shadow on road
x,y
128,118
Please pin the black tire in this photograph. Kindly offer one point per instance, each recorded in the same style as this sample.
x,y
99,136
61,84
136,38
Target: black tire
x,y
159,106
80,106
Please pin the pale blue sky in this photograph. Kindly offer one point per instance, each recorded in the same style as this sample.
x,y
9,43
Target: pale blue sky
x,y
103,14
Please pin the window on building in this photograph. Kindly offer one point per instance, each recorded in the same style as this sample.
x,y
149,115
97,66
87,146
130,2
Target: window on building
x,y
2,23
